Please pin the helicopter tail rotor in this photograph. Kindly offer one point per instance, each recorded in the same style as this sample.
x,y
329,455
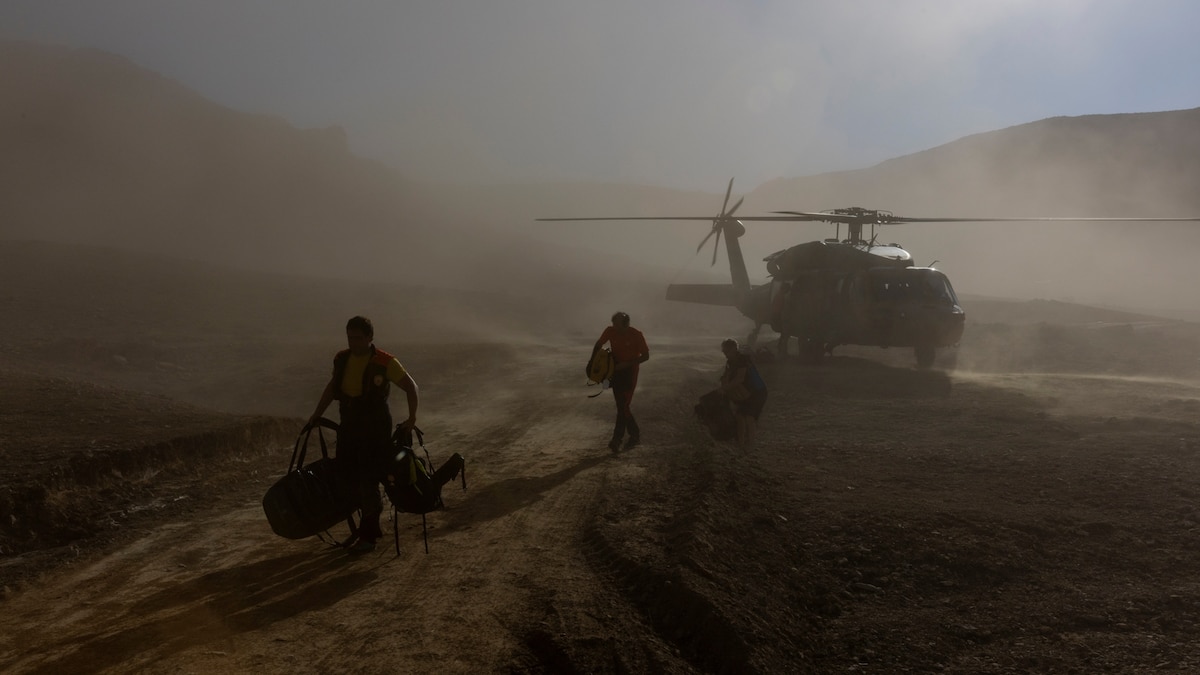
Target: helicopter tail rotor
x,y
718,223
722,220
728,191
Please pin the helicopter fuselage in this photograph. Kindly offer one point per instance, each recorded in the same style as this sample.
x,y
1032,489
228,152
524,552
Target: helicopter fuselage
x,y
830,293
879,306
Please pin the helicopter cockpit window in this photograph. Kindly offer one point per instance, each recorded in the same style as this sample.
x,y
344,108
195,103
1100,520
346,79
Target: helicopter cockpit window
x,y
937,287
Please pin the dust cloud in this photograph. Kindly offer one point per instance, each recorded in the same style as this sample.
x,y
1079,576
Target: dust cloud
x,y
109,155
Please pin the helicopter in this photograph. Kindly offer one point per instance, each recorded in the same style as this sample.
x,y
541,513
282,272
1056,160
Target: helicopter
x,y
838,291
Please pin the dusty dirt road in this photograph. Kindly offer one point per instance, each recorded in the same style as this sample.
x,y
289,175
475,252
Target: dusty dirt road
x,y
509,570
891,520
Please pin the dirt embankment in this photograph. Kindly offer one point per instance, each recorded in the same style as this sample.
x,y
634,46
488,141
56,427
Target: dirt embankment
x,y
84,464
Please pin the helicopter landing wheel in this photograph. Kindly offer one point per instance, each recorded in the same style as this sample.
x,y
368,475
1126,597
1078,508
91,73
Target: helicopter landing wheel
x,y
925,355
752,338
812,352
781,346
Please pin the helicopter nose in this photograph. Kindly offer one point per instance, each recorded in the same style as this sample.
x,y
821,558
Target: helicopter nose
x,y
954,322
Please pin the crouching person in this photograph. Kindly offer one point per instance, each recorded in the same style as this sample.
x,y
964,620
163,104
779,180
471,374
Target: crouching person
x,y
747,392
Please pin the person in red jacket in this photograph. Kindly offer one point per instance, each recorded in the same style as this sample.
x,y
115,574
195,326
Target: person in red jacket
x,y
362,376
629,351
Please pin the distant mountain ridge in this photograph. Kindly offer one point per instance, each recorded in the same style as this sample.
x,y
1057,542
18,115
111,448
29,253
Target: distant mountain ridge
x,y
97,150
1102,165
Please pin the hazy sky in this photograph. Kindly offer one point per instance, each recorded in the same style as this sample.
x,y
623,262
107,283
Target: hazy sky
x,y
679,93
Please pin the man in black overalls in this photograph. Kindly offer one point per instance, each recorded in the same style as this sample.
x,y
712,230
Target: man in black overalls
x,y
361,380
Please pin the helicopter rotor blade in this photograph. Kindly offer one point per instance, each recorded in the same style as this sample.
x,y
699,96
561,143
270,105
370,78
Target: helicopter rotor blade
x,y
810,216
1048,219
716,230
799,216
708,218
716,222
884,219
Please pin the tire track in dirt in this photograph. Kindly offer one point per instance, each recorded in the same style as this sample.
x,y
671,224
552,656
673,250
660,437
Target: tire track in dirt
x,y
650,526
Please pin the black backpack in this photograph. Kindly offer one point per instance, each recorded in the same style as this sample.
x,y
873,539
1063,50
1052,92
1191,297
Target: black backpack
x,y
411,484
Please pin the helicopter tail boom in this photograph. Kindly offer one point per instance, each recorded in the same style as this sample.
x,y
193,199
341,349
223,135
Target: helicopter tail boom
x,y
723,295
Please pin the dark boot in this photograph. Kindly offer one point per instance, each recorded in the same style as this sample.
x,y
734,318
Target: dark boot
x,y
618,434
635,434
369,529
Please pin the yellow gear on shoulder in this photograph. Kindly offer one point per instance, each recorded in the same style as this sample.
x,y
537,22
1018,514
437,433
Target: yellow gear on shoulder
x,y
601,366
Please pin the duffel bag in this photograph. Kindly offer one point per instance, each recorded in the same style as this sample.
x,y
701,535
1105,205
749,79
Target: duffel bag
x,y
310,498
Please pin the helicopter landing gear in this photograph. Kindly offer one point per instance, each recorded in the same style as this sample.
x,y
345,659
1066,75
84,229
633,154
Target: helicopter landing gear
x,y
752,338
925,355
948,360
781,347
812,351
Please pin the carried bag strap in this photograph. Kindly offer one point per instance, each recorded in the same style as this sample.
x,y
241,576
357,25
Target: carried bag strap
x,y
301,447
328,538
299,451
421,442
398,438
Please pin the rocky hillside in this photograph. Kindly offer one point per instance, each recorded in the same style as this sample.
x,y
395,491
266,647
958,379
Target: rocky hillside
x,y
1102,165
97,150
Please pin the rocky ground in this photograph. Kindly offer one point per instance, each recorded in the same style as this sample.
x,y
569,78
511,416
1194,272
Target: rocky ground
x,y
890,520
